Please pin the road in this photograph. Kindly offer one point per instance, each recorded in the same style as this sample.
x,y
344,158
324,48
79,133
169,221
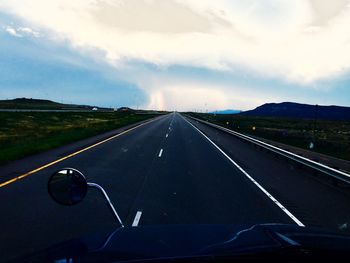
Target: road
x,y
170,170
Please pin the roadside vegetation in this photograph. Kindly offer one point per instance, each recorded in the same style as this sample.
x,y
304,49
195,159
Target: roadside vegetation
x,y
26,133
328,137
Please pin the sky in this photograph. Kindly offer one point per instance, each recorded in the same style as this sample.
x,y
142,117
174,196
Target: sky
x,y
185,55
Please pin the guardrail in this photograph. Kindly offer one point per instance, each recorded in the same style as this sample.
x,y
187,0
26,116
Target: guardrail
x,y
344,177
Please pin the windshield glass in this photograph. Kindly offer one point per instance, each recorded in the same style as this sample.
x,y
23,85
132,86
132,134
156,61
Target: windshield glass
x,y
183,113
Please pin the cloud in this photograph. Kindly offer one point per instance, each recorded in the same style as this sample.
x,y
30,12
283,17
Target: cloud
x,y
12,31
21,31
200,96
188,97
299,41
28,31
172,90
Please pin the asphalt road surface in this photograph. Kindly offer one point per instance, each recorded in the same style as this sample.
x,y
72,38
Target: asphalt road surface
x,y
170,170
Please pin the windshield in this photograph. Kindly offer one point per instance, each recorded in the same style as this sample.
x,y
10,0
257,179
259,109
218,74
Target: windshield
x,y
184,112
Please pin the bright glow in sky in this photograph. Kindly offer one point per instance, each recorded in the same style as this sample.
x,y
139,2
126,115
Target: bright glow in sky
x,y
176,54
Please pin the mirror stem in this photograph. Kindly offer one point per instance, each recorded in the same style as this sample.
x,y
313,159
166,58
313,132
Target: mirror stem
x,y
98,187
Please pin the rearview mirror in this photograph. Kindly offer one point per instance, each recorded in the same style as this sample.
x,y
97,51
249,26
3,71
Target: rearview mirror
x,y
67,186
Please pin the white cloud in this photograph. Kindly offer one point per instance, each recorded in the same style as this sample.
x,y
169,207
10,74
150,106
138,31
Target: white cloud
x,y
302,41
188,97
28,31
171,92
299,40
194,96
12,31
21,31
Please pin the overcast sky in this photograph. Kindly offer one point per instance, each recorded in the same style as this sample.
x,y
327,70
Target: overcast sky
x,y
176,54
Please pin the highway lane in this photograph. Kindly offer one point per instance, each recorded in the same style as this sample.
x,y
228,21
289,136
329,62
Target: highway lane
x,y
193,183
164,172
30,220
314,201
30,163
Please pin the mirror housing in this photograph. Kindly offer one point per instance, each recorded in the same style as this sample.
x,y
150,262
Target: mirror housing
x,y
67,186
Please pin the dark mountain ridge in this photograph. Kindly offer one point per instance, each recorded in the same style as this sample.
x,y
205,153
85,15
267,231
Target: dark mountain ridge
x,y
40,104
298,110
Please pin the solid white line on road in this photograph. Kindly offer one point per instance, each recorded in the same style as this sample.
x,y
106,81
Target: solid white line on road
x,y
166,136
160,153
285,210
137,219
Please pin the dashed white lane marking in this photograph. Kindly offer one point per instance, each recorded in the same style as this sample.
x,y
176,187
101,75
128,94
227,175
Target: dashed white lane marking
x,y
285,210
137,219
166,136
160,153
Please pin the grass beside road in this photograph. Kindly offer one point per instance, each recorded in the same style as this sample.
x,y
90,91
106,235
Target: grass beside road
x,y
26,133
329,137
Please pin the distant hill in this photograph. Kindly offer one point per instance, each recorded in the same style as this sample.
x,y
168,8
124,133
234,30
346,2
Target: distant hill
x,y
38,104
226,111
125,109
297,110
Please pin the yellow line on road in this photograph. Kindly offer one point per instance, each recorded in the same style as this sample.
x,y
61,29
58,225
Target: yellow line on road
x,y
71,155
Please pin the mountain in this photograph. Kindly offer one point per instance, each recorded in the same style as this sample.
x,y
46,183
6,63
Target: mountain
x,y
24,103
226,112
297,110
38,104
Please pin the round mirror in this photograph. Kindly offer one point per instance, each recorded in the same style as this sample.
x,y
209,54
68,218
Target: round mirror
x,y
67,186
